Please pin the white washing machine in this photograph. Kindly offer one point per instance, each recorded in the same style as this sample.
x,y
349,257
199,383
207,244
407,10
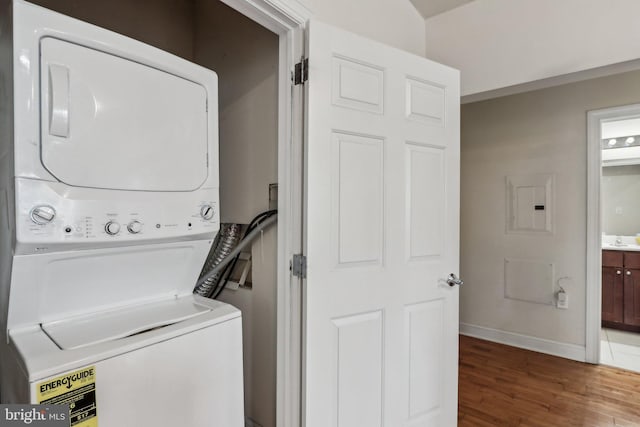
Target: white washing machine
x,y
112,209
169,363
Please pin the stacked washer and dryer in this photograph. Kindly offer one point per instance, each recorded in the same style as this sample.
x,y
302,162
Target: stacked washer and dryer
x,y
111,194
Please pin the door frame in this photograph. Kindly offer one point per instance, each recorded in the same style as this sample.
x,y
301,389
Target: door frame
x,y
286,18
594,226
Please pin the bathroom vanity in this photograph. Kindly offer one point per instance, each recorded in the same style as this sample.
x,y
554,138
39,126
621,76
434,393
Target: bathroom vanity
x,y
621,287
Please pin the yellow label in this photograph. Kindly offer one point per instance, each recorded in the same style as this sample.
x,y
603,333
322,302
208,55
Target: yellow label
x,y
78,389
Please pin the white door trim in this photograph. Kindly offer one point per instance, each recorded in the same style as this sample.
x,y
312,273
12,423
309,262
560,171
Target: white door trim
x,y
278,16
594,227
285,18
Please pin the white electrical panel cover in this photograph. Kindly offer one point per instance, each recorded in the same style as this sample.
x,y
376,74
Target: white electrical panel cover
x,y
529,280
530,204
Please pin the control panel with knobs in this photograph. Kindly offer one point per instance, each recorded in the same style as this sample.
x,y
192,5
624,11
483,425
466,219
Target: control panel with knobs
x,y
42,214
134,227
53,217
207,212
112,228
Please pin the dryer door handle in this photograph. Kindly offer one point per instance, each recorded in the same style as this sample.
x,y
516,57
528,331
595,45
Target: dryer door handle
x,y
59,100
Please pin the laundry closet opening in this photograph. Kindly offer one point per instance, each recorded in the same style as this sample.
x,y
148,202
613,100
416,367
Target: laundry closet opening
x,y
245,57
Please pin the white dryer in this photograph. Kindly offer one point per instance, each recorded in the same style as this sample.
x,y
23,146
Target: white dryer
x,y
112,210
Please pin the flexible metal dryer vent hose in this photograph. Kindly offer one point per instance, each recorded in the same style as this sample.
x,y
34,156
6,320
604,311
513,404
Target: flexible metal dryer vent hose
x,y
217,269
227,239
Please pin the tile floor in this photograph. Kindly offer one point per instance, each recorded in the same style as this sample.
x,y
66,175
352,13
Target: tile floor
x,y
620,349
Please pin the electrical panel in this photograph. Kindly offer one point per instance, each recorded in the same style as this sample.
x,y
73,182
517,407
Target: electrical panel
x,y
530,204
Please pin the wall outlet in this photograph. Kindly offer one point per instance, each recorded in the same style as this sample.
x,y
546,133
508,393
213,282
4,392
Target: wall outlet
x,y
562,300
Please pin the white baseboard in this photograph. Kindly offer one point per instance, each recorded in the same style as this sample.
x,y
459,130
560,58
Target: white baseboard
x,y
568,351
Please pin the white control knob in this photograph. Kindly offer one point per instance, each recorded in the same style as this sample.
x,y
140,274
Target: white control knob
x,y
42,214
207,212
112,228
134,227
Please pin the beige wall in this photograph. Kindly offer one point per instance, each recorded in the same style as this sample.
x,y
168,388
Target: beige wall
x,y
245,56
393,22
7,193
165,24
540,132
620,196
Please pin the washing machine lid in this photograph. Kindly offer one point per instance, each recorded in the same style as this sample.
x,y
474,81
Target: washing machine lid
x,y
40,356
85,331
110,122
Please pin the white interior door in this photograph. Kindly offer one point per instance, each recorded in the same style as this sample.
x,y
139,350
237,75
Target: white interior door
x,y
381,322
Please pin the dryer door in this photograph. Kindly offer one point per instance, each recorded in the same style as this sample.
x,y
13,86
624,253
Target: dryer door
x,y
109,122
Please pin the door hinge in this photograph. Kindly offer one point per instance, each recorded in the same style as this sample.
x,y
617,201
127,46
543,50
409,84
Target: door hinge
x,y
301,72
299,266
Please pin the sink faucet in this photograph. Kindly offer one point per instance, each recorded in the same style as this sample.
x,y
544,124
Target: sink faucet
x,y
618,241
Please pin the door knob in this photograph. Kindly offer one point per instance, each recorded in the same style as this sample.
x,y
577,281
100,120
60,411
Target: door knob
x,y
452,280
628,273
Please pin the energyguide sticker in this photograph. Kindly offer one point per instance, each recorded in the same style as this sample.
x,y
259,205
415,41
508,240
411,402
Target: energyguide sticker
x,y
78,389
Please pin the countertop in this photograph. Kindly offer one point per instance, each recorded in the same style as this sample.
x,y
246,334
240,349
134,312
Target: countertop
x,y
623,247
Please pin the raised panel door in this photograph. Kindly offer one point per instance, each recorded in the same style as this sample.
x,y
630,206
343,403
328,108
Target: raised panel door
x,y
382,200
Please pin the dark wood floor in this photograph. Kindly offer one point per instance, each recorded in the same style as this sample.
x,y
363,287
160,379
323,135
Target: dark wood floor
x,y
506,386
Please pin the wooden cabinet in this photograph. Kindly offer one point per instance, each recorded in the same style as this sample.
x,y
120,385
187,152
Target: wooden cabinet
x,y
621,290
612,287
